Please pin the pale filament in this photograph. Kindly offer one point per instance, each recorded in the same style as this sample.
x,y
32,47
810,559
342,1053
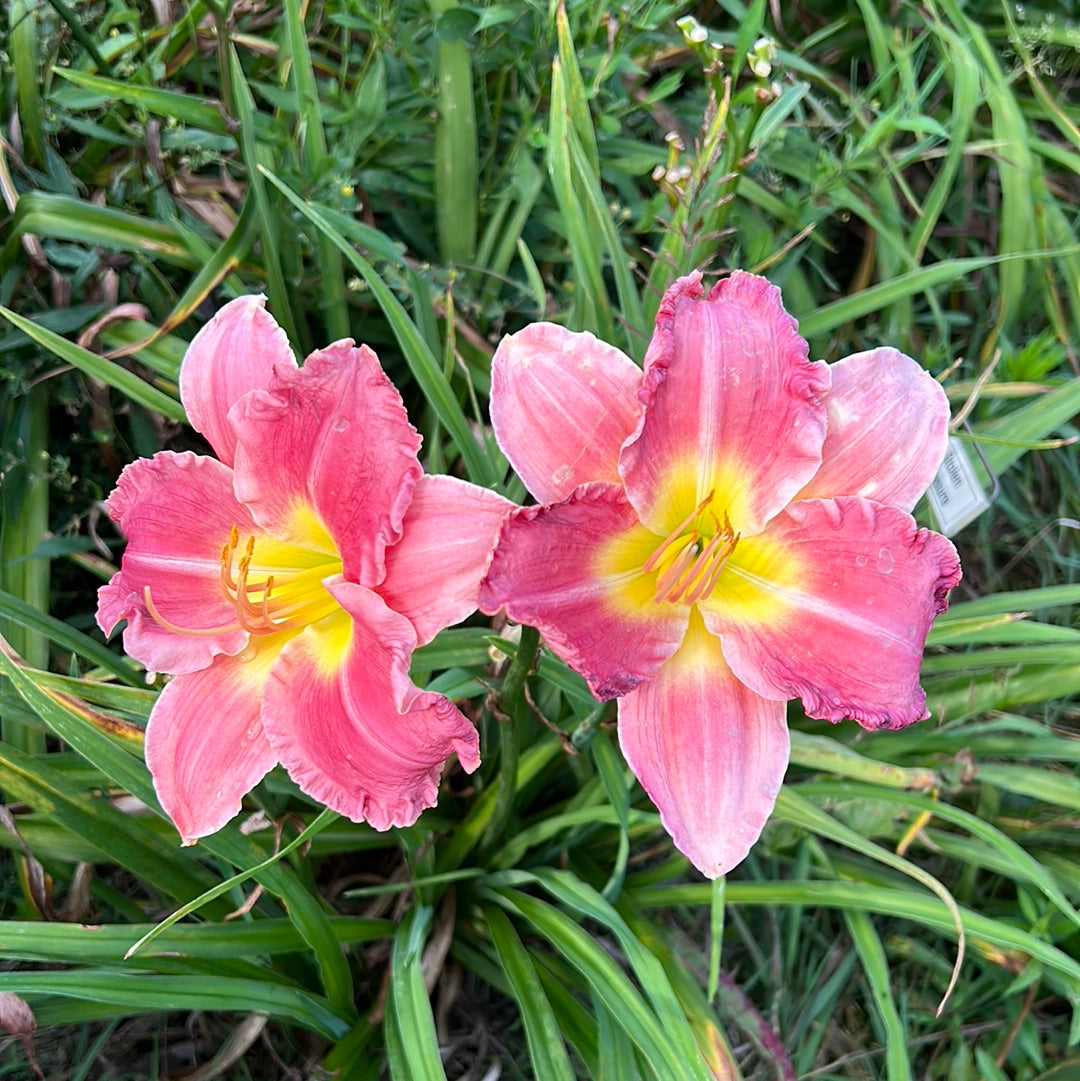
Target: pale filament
x,y
693,573
676,534
280,602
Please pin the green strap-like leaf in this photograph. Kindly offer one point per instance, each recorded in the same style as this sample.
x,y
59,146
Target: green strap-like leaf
x,y
667,1044
547,1051
137,992
108,371
409,1021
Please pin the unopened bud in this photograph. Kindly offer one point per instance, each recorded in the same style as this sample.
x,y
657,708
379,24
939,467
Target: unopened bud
x,y
764,53
692,30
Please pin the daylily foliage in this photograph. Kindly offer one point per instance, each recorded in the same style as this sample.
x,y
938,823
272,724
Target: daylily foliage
x,y
286,583
718,534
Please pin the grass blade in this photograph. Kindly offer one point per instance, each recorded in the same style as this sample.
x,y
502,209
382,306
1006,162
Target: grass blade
x,y
129,384
664,1039
872,955
254,155
23,43
44,214
409,1016
139,992
547,1052
202,113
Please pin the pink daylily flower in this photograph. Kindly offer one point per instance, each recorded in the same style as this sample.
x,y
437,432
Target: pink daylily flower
x,y
719,533
286,583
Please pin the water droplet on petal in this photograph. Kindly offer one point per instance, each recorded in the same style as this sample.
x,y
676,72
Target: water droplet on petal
x,y
341,423
885,561
860,561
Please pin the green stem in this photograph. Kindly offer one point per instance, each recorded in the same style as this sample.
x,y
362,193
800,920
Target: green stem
x,y
456,155
716,934
511,713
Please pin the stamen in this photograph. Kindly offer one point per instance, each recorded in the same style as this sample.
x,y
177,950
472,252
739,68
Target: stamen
x,y
711,575
227,580
303,614
254,615
704,556
694,572
266,599
284,601
653,561
243,606
673,575
200,632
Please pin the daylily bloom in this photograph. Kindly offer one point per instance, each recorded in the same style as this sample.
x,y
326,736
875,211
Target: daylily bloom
x,y
719,533
286,583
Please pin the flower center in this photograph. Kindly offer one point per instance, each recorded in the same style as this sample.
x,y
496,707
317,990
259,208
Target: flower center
x,y
690,560
269,596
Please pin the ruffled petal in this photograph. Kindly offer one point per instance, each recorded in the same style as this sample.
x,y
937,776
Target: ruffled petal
x,y
433,573
330,438
205,744
347,723
832,605
573,570
888,430
562,403
177,511
710,753
732,407
235,352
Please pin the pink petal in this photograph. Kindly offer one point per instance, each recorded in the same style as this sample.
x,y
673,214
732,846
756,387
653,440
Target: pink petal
x,y
205,744
348,724
332,436
888,430
573,571
732,406
177,511
710,753
234,353
433,573
843,623
561,405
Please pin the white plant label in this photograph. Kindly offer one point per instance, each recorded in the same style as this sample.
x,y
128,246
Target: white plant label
x,y
956,496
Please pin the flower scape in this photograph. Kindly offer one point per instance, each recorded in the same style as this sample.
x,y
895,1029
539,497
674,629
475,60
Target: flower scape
x,y
285,583
719,533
